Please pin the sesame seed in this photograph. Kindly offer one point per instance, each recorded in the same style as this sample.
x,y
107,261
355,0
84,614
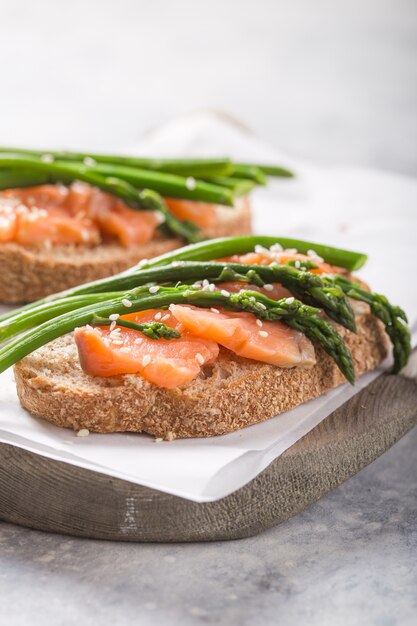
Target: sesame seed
x,y
259,322
158,315
112,326
225,293
276,247
190,183
289,300
126,302
89,161
213,310
146,360
118,342
199,358
125,349
268,287
262,250
262,333
84,432
297,264
154,289
212,287
158,439
47,158
291,250
114,316
165,317
261,305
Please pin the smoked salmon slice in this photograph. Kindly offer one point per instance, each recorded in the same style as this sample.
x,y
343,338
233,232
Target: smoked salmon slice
x,y
281,257
78,214
167,363
201,214
269,342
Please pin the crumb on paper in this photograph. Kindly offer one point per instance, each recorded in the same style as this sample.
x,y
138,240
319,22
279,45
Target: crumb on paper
x,y
84,432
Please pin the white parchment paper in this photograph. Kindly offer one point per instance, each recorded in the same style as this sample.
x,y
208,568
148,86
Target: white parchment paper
x,y
364,210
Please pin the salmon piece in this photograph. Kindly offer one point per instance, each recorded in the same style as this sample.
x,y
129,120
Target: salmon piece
x,y
75,214
202,214
35,227
273,342
167,363
8,223
257,258
130,227
42,196
276,293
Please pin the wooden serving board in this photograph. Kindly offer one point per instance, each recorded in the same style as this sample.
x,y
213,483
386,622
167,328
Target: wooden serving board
x,y
53,496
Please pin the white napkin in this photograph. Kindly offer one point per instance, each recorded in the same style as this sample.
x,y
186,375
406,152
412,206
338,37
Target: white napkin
x,y
363,210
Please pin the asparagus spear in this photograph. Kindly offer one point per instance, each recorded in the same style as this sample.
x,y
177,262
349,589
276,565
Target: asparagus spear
x,y
200,168
62,172
393,318
207,250
170,185
239,186
270,170
252,172
309,288
297,315
153,330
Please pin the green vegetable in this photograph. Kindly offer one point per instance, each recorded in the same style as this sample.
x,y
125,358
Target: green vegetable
x,y
297,315
271,170
205,251
393,318
200,168
153,330
169,185
308,288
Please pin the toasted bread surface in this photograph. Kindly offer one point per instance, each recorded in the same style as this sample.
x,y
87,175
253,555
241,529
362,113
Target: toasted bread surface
x,y
229,395
29,273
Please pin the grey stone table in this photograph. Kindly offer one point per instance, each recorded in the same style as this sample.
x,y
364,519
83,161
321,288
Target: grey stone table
x,y
349,559
330,81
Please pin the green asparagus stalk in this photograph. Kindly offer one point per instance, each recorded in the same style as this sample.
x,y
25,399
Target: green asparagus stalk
x,y
153,330
239,186
197,167
169,185
297,315
393,318
146,199
308,288
205,251
251,172
271,170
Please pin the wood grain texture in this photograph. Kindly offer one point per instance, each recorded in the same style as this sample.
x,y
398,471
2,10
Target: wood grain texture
x,y
57,497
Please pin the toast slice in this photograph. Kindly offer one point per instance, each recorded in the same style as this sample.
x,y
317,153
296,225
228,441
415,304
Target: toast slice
x,y
31,273
229,395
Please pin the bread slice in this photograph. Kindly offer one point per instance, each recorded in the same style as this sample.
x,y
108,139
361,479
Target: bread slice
x,y
231,394
30,273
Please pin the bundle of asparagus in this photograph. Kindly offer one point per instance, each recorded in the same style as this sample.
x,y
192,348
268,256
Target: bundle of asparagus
x,y
140,182
171,279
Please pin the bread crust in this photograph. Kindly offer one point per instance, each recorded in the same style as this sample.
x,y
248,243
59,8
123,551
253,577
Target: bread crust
x,y
30,273
229,395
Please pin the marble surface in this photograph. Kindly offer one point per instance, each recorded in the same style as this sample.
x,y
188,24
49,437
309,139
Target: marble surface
x,y
331,81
